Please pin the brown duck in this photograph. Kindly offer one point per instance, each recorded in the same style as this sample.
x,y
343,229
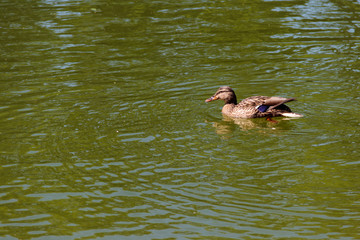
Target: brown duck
x,y
252,107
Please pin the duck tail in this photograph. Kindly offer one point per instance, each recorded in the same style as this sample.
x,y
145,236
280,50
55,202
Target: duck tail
x,y
291,114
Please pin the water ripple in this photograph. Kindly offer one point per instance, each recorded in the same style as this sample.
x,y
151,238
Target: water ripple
x,y
105,133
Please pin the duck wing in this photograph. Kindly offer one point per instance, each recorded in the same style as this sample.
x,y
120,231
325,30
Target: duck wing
x,y
269,103
273,102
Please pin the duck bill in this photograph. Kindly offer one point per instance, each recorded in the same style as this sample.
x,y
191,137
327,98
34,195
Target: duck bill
x,y
211,99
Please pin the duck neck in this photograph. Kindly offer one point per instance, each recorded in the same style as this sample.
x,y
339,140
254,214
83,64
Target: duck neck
x,y
231,100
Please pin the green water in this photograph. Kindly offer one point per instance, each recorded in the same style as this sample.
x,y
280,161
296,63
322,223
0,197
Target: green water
x,y
105,133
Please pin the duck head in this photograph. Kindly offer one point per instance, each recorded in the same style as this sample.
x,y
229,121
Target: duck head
x,y
224,93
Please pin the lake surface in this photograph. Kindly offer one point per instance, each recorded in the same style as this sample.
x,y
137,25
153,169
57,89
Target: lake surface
x,y
105,133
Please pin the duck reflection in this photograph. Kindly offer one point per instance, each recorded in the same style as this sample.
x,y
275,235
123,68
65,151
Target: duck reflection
x,y
228,125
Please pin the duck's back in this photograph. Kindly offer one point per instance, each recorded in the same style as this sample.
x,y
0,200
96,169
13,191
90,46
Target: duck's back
x,y
247,108
253,101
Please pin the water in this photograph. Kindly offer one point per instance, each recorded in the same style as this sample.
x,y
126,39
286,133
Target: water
x,y
105,133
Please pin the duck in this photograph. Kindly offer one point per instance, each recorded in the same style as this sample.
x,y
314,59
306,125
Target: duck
x,y
253,107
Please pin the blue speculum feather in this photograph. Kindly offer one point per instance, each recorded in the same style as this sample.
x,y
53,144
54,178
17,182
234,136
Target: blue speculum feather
x,y
263,108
